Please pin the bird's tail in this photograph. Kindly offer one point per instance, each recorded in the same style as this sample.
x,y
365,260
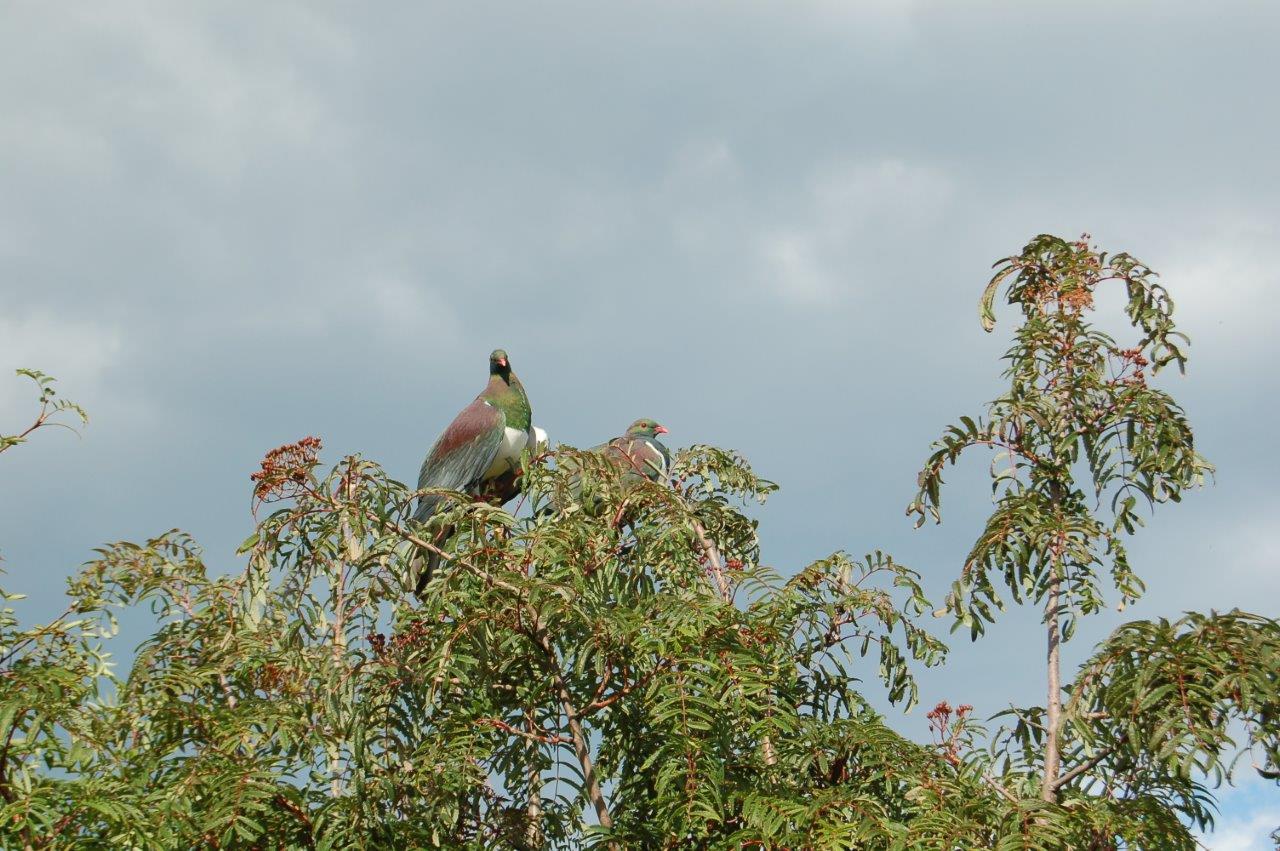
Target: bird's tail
x,y
425,568
427,506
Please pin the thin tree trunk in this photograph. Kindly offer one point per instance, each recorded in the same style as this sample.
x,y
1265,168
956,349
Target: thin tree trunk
x,y
353,553
584,759
726,594
580,746
722,584
1053,705
1061,385
533,810
714,560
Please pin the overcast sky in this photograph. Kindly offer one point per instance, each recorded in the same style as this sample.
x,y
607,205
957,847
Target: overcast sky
x,y
226,226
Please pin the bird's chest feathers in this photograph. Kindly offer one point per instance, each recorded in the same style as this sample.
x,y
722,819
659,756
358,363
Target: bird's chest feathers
x,y
508,457
650,460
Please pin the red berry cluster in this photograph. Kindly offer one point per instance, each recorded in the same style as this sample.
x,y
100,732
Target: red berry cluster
x,y
285,470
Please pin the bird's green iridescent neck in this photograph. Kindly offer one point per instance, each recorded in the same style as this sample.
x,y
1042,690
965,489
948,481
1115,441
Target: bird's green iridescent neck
x,y
508,396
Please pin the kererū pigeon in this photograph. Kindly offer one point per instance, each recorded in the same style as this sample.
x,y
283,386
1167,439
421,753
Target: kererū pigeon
x,y
479,453
638,453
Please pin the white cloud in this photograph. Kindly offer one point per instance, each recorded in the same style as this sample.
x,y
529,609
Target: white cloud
x,y
384,309
43,138
1248,812
404,307
853,211
1229,281
879,22
1245,829
703,159
75,352
797,266
193,87
1250,555
850,196
1253,834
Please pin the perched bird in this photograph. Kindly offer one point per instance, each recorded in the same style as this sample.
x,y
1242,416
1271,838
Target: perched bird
x,y
479,453
638,453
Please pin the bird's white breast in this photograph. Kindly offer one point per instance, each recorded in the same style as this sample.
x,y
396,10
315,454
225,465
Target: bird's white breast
x,y
513,441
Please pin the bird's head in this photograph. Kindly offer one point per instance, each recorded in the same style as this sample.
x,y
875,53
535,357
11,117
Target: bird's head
x,y
500,364
646,428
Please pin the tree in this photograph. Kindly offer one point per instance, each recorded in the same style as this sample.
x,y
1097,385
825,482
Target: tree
x,y
574,677
1082,442
628,674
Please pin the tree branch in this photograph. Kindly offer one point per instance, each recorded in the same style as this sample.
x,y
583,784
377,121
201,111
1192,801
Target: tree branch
x,y
580,747
1087,766
713,558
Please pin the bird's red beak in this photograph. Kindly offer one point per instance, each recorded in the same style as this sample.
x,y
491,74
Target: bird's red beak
x,y
502,361
661,430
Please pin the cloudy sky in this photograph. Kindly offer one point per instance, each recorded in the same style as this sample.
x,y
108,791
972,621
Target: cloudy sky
x,y
225,226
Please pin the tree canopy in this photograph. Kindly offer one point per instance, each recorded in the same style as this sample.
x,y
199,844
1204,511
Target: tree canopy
x,y
609,664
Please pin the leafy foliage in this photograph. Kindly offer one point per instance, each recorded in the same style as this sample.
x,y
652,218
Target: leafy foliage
x,y
1082,443
611,665
1149,727
50,413
1078,403
310,702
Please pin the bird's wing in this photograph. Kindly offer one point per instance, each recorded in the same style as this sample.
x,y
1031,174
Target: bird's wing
x,y
462,454
637,455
